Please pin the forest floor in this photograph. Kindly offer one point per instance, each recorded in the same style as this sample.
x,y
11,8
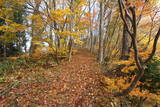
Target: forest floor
x,y
70,84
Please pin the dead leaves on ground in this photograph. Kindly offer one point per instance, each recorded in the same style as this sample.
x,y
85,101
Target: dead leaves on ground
x,y
73,83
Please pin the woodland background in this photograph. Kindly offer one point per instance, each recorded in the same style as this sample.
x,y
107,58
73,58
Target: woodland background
x,y
48,48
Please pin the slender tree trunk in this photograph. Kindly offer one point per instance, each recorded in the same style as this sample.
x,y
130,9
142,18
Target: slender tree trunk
x,y
106,35
138,61
70,28
125,44
90,29
34,31
100,56
4,51
70,48
51,36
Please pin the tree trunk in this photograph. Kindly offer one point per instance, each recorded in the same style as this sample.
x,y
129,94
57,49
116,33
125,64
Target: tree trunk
x,y
70,48
125,44
34,31
51,36
4,51
100,56
90,29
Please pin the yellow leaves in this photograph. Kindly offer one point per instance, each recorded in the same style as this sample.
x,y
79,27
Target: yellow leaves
x,y
62,52
117,84
35,17
10,31
40,49
12,27
58,15
6,28
81,3
78,41
37,21
21,28
38,53
20,2
18,27
8,37
17,2
13,58
24,56
37,1
38,43
154,97
64,33
126,62
128,68
75,33
68,33
62,12
48,40
6,12
110,84
1,2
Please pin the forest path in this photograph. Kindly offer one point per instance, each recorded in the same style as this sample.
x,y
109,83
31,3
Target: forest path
x,y
72,84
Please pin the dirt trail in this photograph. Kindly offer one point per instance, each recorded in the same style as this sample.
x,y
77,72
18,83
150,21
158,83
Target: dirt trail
x,y
72,84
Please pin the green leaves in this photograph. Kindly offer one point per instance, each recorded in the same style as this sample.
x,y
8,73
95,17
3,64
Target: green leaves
x,y
151,78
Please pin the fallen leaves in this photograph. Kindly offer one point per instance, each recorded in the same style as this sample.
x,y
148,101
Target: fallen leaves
x,y
72,83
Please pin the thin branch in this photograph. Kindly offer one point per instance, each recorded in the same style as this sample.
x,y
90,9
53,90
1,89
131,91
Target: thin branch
x,y
122,16
154,47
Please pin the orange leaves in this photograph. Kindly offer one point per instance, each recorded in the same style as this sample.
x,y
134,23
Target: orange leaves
x,y
142,7
126,62
63,85
13,58
138,93
136,3
52,92
128,68
139,3
115,84
144,54
121,83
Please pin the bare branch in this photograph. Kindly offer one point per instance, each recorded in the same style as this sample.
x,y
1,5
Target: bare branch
x,y
154,47
122,16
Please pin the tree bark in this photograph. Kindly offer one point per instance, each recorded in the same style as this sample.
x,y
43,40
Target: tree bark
x,y
100,56
90,29
133,33
4,50
125,44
